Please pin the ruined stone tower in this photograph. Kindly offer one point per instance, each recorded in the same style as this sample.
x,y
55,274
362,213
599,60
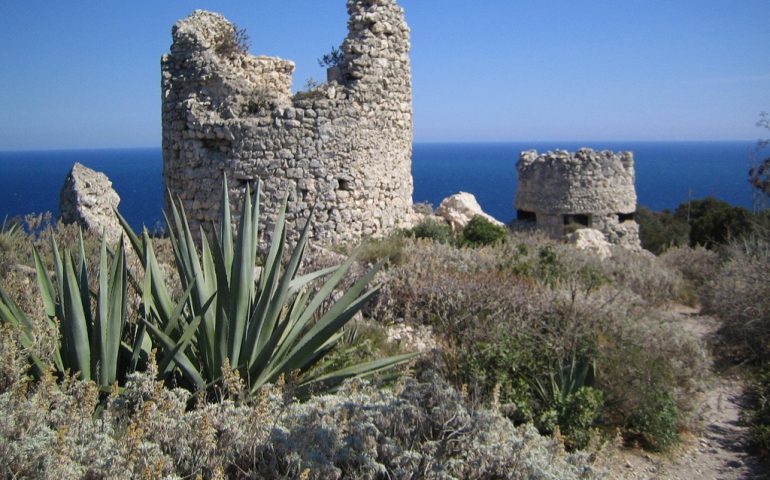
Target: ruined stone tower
x,y
344,146
560,191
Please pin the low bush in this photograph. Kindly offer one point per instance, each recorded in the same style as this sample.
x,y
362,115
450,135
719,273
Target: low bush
x,y
740,296
233,42
659,231
713,222
389,249
480,231
757,415
647,276
516,317
419,429
699,266
11,238
436,230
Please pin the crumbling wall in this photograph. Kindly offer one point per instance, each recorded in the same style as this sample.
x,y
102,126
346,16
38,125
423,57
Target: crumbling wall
x,y
562,190
344,146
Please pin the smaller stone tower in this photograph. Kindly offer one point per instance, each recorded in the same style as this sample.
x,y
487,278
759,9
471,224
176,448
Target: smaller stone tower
x,y
561,191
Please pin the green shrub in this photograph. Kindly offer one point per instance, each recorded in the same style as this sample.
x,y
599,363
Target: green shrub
x,y
234,42
438,231
567,400
481,231
389,249
757,415
334,59
646,362
739,295
658,231
713,222
657,422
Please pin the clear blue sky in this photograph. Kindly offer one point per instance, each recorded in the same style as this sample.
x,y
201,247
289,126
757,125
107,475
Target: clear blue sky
x,y
86,73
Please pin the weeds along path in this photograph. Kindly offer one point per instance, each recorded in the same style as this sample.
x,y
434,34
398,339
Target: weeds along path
x,y
718,450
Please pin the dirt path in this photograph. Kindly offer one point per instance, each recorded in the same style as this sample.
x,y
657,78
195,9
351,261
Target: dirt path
x,y
719,450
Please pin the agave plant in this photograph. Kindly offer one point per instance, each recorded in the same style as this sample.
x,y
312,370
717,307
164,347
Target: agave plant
x,y
264,324
565,380
91,342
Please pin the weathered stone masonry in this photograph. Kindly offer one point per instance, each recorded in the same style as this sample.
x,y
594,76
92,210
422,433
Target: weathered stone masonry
x,y
561,190
345,146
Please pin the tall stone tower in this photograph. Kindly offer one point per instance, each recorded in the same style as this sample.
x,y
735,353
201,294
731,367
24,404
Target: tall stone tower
x,y
344,146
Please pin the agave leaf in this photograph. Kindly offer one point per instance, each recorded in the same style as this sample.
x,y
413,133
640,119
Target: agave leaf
x,y
266,357
47,292
278,241
76,351
222,275
160,294
102,328
272,281
216,344
184,340
226,229
184,363
141,347
304,353
242,279
257,334
366,369
12,315
300,281
346,302
133,238
300,325
58,265
283,290
110,315
326,290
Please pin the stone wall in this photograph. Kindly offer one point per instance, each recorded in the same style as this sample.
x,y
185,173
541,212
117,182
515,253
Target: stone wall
x,y
344,146
562,190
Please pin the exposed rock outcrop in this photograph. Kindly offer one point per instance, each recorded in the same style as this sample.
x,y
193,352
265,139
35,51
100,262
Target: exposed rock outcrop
x,y
87,198
460,208
591,240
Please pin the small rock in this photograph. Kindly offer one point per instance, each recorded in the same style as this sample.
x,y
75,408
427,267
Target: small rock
x,y
460,208
87,198
592,241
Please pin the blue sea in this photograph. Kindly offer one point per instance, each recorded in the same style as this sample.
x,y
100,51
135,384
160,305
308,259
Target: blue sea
x,y
667,174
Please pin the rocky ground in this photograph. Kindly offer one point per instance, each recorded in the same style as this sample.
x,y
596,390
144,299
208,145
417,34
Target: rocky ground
x,y
718,450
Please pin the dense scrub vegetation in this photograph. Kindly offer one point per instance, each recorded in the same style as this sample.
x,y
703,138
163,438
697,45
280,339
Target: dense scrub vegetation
x,y
538,348
708,222
554,337
739,294
727,271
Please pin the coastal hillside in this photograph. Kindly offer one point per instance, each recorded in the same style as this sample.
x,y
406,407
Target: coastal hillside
x,y
303,311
